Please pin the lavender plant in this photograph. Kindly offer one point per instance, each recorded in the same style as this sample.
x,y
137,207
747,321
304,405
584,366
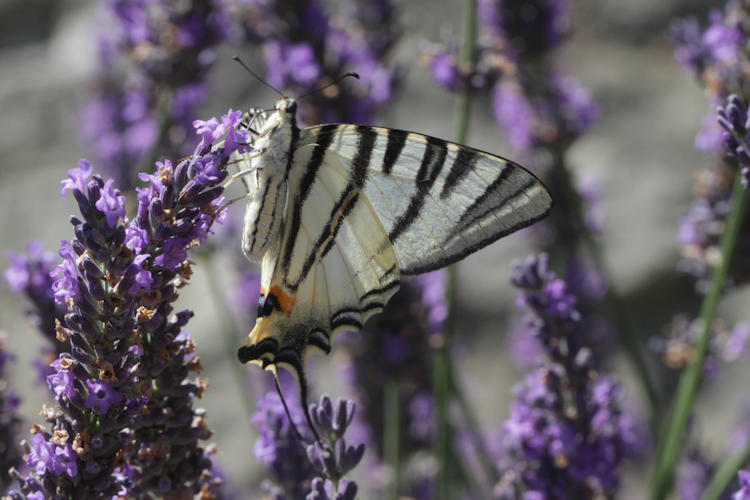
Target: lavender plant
x,y
153,61
125,424
568,431
317,471
716,57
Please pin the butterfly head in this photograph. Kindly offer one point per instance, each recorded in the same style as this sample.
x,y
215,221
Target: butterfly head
x,y
286,105
261,121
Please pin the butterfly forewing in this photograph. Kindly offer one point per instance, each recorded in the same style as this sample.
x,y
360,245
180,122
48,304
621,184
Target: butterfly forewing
x,y
439,201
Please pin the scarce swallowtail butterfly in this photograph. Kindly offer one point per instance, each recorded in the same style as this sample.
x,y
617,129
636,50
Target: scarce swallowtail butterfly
x,y
338,213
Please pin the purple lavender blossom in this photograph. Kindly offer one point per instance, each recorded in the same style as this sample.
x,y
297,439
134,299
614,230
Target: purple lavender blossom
x,y
125,419
694,472
62,381
306,48
292,467
567,432
324,490
744,492
101,396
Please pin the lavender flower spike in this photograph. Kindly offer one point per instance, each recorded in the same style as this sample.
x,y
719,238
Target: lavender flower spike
x,y
292,470
734,119
567,431
125,423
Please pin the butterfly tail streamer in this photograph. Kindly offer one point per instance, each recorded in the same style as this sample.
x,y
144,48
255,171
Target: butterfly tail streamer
x,y
303,402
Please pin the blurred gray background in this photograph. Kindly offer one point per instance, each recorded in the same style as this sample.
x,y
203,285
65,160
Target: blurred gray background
x,y
640,152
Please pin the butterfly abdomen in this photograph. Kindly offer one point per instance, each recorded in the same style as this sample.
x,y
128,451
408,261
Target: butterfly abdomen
x,y
267,183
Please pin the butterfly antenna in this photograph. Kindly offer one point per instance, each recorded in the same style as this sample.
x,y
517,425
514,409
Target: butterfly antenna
x,y
261,80
337,80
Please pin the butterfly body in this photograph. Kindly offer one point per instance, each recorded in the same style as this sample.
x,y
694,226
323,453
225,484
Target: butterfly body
x,y
274,134
337,213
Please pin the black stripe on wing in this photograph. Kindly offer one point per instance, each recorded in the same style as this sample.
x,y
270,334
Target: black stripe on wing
x,y
396,142
464,222
465,161
323,141
435,152
343,206
256,223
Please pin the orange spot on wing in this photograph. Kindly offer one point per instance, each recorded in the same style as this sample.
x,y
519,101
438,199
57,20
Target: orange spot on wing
x,y
286,301
263,291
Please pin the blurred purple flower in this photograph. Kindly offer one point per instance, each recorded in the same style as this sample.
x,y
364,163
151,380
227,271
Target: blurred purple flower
x,y
677,346
744,492
306,48
444,71
514,114
169,49
29,275
391,349
694,472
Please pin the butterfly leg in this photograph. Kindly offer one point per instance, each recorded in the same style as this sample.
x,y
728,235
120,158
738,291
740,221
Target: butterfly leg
x,y
244,172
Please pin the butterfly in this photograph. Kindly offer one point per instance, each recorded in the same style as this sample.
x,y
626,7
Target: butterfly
x,y
338,213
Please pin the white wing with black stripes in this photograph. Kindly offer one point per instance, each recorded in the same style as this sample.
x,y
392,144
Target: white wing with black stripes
x,y
363,205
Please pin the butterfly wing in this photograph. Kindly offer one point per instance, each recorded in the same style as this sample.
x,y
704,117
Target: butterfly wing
x,y
364,205
438,201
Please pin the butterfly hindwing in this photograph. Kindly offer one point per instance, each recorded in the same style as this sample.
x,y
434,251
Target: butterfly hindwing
x,y
334,265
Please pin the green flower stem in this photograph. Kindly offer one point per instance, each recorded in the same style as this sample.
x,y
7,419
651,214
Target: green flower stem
x,y
443,435
442,366
674,435
726,473
391,436
229,335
